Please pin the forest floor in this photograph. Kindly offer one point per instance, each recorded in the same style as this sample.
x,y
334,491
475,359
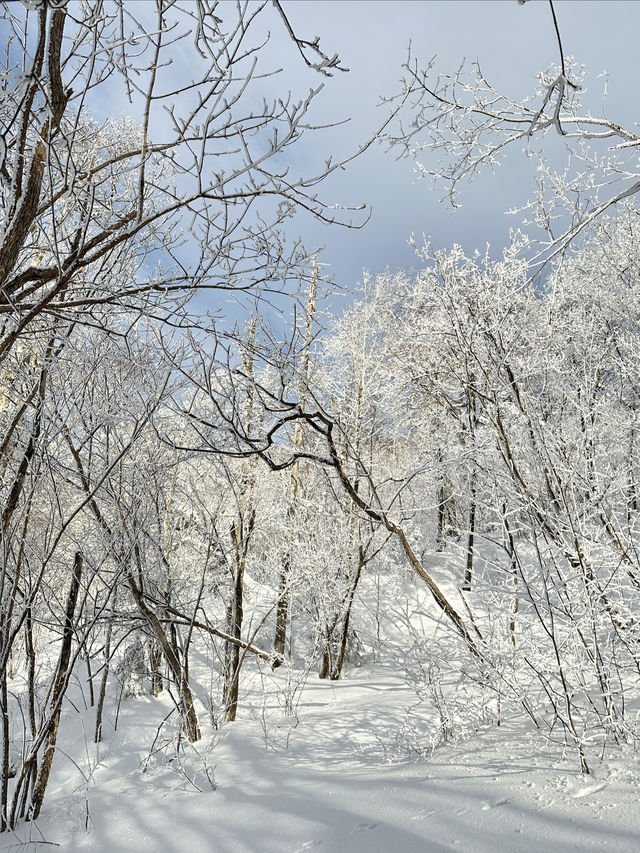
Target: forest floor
x,y
356,765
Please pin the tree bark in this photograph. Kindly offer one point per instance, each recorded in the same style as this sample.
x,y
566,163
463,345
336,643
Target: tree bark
x,y
59,687
103,684
468,571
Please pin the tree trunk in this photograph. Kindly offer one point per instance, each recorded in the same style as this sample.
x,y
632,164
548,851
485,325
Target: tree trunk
x,y
282,615
468,571
342,653
103,684
155,659
632,488
59,688
510,547
234,627
4,790
171,654
89,677
447,521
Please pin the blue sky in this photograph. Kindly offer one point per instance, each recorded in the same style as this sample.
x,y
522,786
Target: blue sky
x,y
513,43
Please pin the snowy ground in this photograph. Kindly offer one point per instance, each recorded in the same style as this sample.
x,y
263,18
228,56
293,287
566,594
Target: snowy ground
x,y
336,788
351,770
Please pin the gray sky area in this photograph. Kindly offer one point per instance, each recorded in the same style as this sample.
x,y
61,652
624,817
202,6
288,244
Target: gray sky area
x,y
513,43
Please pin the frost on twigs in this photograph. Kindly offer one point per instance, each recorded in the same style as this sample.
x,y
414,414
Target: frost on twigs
x,y
457,124
322,61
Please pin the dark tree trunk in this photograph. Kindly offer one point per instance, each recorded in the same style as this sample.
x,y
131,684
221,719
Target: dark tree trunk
x,y
447,522
59,687
510,547
103,684
632,486
342,652
335,647
155,659
282,616
4,790
171,653
468,570
232,651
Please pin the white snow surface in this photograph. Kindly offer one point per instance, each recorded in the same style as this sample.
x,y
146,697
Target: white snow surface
x,y
351,770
